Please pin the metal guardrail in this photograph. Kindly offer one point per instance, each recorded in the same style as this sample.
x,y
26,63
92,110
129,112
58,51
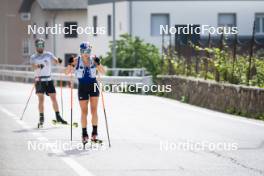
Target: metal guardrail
x,y
60,69
25,74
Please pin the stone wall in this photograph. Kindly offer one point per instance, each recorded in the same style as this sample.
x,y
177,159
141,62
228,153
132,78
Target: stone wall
x,y
235,99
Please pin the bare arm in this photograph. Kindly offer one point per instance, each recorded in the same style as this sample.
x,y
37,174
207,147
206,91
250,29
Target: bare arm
x,y
34,66
101,69
56,60
69,69
71,66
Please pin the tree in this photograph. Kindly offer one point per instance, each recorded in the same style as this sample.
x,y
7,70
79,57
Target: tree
x,y
132,52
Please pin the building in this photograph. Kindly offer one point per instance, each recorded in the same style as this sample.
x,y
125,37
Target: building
x,y
50,13
13,35
137,17
143,17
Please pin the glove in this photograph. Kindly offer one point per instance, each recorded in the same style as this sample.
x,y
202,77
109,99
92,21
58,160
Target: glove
x,y
41,66
97,60
59,60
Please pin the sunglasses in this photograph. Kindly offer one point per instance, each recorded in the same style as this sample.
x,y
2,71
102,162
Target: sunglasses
x,y
86,51
40,45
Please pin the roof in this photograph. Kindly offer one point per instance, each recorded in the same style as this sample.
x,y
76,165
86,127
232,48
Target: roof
x,y
94,2
62,4
26,6
54,5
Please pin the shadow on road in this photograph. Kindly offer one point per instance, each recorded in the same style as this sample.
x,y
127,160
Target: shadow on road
x,y
35,129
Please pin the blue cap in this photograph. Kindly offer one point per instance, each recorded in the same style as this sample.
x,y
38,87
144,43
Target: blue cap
x,y
85,45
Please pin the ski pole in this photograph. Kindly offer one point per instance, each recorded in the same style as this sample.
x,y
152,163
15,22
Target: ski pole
x,y
71,84
61,95
30,95
103,103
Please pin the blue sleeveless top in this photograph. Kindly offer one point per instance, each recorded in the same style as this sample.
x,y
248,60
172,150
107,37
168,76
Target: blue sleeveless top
x,y
85,74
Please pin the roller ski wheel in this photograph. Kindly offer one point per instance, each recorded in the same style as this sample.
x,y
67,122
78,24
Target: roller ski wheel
x,y
75,124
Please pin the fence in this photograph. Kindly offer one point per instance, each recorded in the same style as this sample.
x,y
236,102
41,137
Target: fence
x,y
24,73
181,47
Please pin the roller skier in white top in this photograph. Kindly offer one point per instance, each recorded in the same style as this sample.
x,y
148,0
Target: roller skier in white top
x,y
41,62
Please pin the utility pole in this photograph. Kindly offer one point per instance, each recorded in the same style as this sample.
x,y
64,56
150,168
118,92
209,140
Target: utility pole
x,y
114,38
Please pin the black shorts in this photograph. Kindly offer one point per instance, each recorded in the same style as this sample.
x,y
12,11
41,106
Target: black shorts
x,y
87,90
45,87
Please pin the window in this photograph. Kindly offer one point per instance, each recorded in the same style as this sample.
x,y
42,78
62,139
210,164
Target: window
x,y
94,25
25,47
25,16
259,20
156,21
71,29
109,25
34,35
227,19
46,32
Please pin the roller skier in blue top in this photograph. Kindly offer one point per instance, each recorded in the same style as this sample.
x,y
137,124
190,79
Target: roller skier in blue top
x,y
85,67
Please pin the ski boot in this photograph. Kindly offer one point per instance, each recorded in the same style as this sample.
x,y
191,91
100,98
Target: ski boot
x,y
60,120
85,139
41,122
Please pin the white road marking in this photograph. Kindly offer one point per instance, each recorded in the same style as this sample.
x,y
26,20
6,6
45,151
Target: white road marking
x,y
79,169
7,112
76,166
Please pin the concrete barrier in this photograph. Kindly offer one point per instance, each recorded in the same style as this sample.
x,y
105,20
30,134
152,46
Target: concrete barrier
x,y
235,99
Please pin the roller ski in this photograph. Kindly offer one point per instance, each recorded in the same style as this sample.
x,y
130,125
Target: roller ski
x,y
60,121
95,143
41,122
94,140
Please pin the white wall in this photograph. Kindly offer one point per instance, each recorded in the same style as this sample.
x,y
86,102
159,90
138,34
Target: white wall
x,y
193,12
181,12
101,42
70,45
62,45
39,17
12,33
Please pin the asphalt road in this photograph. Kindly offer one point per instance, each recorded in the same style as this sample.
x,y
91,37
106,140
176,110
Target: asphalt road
x,y
151,136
